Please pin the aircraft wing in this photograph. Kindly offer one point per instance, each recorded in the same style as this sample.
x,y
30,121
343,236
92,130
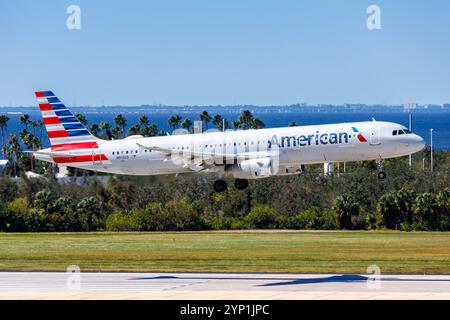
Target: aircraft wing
x,y
165,151
206,160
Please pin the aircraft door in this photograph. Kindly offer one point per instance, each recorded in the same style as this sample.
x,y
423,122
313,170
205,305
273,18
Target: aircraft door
x,y
96,159
374,134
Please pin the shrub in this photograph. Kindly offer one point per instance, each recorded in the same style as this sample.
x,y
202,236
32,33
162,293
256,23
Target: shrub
x,y
431,212
395,209
181,216
388,211
221,222
176,215
345,208
89,214
329,220
262,217
121,222
307,219
372,221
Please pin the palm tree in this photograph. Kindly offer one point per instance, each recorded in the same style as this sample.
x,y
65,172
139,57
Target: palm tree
x,y
246,119
150,131
115,132
143,121
34,124
40,124
174,121
345,207
30,141
94,129
257,124
13,151
105,126
4,132
81,118
134,130
23,133
121,122
186,124
205,117
25,120
218,121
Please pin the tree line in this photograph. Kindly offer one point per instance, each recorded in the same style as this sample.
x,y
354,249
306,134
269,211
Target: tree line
x,y
408,199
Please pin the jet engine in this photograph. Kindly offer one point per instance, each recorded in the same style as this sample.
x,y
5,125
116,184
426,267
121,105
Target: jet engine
x,y
251,169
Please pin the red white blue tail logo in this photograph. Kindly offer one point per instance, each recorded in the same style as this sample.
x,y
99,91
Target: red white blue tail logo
x,y
65,132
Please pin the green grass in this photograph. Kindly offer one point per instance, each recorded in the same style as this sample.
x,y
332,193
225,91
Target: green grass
x,y
234,251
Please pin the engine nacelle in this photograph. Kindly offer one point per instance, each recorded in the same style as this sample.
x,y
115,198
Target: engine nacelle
x,y
251,169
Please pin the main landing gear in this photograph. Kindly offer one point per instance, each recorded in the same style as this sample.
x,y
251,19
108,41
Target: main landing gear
x,y
241,184
221,185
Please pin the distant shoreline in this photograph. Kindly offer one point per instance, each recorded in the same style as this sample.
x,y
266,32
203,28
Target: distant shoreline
x,y
237,109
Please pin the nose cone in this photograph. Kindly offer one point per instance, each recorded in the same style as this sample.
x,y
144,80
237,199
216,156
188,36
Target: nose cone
x,y
418,143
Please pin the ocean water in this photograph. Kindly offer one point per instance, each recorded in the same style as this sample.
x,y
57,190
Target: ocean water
x,y
422,121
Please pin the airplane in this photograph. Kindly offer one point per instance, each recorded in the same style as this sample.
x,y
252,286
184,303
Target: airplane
x,y
242,154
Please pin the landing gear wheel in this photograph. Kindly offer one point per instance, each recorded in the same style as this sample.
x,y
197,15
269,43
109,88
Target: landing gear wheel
x,y
220,185
241,184
382,175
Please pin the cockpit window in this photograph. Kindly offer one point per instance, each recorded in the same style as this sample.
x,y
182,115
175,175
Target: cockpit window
x,y
399,132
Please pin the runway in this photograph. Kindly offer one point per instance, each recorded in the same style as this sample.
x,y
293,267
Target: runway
x,y
84,285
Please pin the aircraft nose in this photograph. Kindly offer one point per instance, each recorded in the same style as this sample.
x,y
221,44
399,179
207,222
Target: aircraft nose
x,y
418,142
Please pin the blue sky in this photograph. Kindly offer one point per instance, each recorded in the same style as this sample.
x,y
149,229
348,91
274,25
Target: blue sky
x,y
225,52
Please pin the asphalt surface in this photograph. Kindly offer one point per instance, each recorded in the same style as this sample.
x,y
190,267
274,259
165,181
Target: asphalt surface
x,y
61,285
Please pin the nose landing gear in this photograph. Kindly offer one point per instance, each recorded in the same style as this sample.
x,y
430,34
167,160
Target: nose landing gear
x,y
381,173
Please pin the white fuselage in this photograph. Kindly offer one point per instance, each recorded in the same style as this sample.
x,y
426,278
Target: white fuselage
x,y
294,147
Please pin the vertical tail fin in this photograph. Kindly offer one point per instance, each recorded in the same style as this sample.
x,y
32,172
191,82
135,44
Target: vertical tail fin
x,y
64,130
